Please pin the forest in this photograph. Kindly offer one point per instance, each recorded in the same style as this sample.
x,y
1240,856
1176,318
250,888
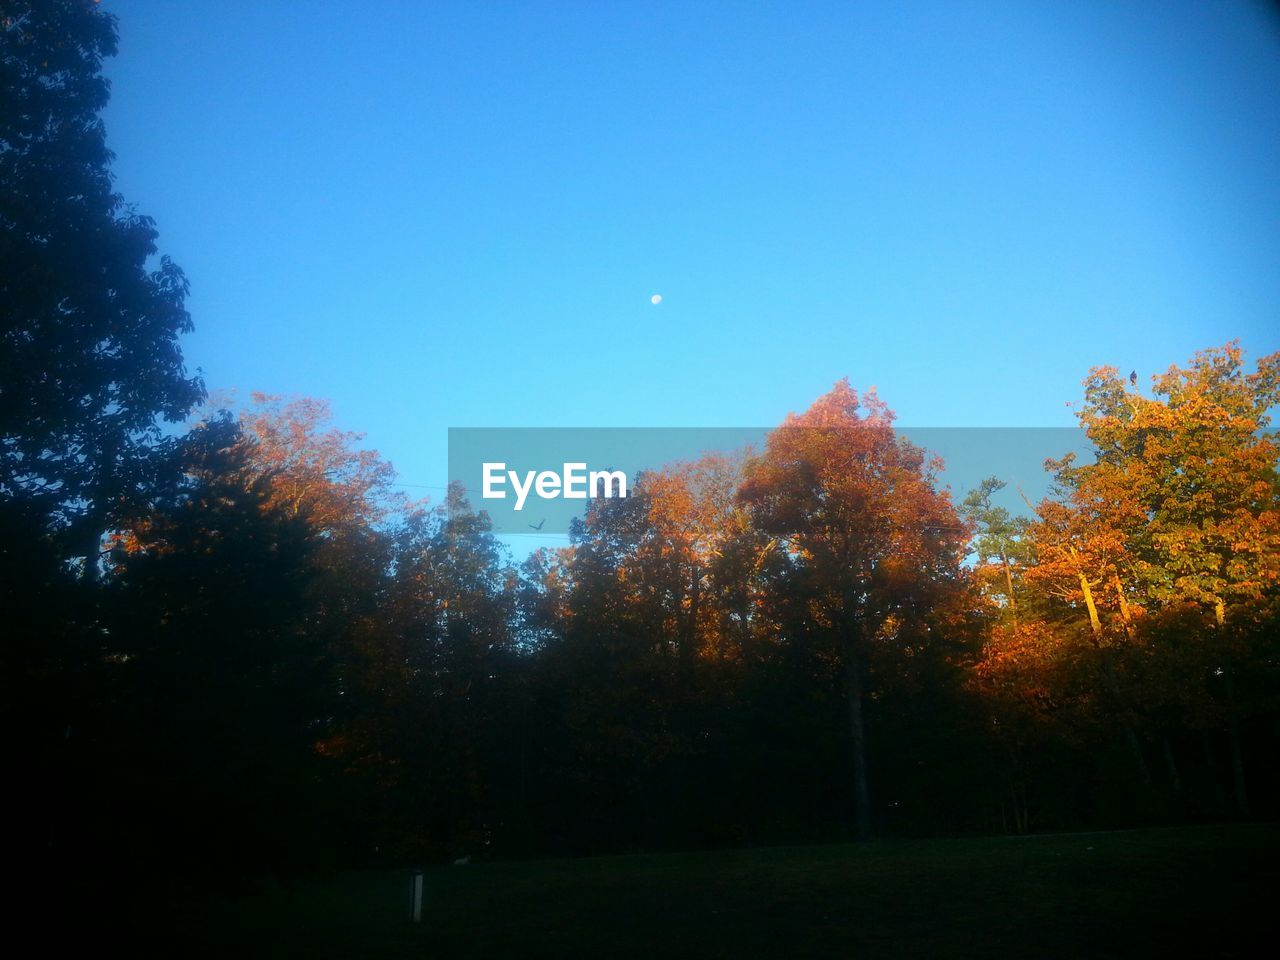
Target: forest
x,y
232,641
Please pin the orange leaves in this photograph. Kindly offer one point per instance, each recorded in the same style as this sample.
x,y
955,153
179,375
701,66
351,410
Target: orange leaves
x,y
869,567
1182,498
1033,674
1173,526
857,502
693,504
314,470
1017,652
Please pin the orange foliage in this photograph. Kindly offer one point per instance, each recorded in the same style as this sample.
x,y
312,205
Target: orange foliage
x,y
313,469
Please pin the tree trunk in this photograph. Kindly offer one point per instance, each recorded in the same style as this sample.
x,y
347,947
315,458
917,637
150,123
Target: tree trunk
x,y
1233,742
1126,725
1095,624
1021,812
1126,617
1171,763
1113,686
689,644
857,734
92,552
99,515
1008,579
1020,806
1233,723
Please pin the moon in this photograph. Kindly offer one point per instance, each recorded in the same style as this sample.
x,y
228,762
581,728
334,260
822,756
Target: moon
x,y
656,299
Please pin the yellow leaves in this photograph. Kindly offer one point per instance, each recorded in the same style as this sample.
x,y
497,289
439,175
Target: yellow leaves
x,y
1182,498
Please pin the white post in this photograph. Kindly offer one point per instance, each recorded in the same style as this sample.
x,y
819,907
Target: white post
x,y
415,896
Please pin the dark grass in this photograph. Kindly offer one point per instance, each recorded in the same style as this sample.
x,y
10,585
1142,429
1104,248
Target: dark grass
x,y
1195,892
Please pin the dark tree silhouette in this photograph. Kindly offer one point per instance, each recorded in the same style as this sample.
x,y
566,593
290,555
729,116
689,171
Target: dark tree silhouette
x,y
214,684
89,317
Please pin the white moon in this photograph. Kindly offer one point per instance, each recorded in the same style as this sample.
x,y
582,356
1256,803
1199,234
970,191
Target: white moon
x,y
656,299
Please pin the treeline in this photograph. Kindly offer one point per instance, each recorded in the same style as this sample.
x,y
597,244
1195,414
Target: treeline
x,y
273,660
234,645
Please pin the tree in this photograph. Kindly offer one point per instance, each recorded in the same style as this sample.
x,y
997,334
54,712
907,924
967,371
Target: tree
x,y
671,585
1181,503
1001,545
1201,471
433,686
214,680
874,543
89,318
1080,553
314,470
90,321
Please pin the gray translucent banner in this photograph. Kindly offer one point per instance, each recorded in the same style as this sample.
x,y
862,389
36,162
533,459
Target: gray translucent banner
x,y
532,481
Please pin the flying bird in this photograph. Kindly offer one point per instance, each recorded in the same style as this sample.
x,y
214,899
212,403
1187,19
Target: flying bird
x,y
539,524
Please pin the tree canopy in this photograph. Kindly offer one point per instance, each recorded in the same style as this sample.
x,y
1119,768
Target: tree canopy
x,y
90,314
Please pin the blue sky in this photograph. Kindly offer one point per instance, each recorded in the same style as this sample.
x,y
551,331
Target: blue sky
x,y
443,215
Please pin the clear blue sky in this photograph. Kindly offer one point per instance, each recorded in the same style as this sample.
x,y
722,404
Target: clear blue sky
x,y
455,214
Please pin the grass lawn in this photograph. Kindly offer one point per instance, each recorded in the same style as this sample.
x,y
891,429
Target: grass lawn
x,y
1196,892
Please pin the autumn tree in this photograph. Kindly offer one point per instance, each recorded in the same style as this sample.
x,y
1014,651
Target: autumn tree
x,y
692,578
312,468
1179,504
344,492
1200,468
857,510
1081,553
1031,676
608,677
434,684
1000,546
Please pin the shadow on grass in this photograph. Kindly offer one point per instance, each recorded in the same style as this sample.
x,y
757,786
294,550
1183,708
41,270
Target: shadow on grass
x,y
1200,891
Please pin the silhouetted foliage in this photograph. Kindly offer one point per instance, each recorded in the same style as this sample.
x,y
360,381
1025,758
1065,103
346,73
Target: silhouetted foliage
x,y
89,363
238,650
214,675
272,660
89,318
